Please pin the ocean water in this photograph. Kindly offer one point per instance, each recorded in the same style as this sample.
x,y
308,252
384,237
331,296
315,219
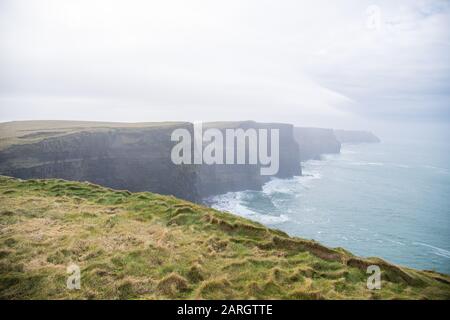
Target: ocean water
x,y
390,200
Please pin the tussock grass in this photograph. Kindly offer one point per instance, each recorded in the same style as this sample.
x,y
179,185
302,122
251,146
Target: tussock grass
x,y
148,246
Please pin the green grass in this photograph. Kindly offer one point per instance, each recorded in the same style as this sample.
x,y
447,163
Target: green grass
x,y
148,246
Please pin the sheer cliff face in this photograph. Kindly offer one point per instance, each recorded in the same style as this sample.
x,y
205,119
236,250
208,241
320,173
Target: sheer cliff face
x,y
135,159
132,158
216,179
313,142
351,136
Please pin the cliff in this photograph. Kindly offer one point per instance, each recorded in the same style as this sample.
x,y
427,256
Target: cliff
x,y
217,179
135,157
354,136
148,246
314,142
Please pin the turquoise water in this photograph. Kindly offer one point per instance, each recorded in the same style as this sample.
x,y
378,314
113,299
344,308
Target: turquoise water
x,y
390,200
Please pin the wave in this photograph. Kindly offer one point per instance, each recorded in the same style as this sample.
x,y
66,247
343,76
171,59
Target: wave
x,y
437,169
359,163
290,186
276,186
405,166
233,202
395,242
436,250
274,192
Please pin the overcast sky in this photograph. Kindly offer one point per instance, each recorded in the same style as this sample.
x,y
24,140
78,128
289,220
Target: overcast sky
x,y
306,62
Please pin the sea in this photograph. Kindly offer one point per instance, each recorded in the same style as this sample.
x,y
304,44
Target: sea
x,y
390,200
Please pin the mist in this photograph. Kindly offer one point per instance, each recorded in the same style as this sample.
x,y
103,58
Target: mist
x,y
352,64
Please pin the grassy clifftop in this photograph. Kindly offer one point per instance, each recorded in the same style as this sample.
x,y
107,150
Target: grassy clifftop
x,y
148,246
24,132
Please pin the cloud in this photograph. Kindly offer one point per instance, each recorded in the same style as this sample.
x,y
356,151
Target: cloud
x,y
401,69
203,60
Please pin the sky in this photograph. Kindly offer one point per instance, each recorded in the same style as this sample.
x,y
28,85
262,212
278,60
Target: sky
x,y
321,63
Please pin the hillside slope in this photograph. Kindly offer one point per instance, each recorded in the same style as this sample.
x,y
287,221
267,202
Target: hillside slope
x,y
148,246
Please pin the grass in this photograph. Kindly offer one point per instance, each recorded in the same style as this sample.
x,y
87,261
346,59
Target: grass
x,y
148,246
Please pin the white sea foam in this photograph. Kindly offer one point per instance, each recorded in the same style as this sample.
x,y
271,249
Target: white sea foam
x,y
274,186
232,202
291,186
436,250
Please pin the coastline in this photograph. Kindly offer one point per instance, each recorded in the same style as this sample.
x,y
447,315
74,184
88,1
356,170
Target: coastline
x,y
357,220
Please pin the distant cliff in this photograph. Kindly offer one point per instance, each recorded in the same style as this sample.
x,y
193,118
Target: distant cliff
x,y
314,142
134,157
353,136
